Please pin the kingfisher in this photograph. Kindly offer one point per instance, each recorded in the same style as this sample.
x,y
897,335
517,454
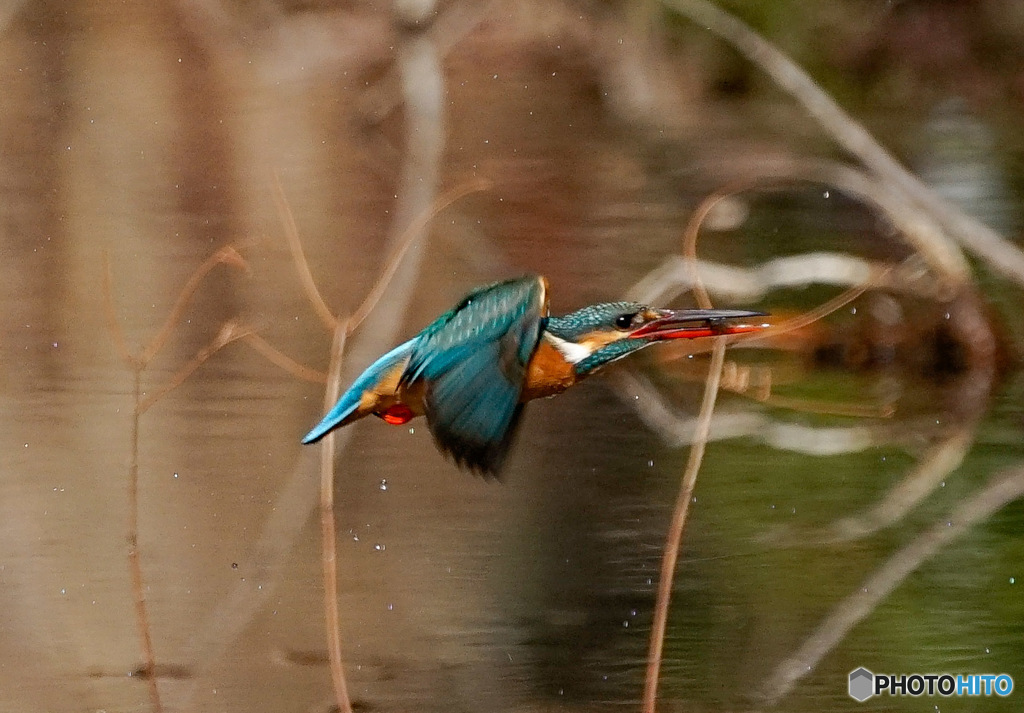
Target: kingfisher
x,y
474,368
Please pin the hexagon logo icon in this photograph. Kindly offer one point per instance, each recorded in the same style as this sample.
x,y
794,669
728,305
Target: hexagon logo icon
x,y
862,684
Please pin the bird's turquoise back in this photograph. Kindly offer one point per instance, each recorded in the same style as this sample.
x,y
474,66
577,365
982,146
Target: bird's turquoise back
x,y
473,361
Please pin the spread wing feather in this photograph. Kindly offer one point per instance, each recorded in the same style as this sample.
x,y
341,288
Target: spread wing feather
x,y
473,362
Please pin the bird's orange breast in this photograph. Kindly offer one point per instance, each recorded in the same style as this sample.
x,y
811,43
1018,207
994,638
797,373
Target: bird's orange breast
x,y
547,374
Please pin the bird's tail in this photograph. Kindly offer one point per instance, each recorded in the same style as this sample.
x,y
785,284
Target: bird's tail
x,y
347,409
335,418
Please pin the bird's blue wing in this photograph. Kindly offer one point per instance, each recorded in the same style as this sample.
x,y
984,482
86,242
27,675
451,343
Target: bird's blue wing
x,y
473,363
349,401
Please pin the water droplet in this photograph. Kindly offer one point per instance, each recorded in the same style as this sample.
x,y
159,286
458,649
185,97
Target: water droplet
x,y
650,464
625,624
175,475
825,194
1013,580
379,547
391,607
383,483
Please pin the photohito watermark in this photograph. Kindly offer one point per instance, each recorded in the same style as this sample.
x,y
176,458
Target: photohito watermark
x,y
864,684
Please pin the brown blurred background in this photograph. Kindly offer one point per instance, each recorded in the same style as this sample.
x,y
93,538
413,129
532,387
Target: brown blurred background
x,y
148,135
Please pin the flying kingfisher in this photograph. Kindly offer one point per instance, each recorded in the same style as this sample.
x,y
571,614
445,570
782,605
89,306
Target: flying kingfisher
x,y
473,369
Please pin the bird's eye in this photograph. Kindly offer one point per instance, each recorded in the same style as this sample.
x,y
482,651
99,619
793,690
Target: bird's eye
x,y
625,321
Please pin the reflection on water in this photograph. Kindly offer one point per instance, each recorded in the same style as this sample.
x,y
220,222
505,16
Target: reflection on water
x,y
129,144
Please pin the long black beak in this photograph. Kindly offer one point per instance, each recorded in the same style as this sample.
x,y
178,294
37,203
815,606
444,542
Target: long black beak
x,y
695,323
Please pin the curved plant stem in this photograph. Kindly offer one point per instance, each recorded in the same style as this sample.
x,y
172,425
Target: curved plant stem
x,y
690,235
291,232
1000,254
1001,490
227,255
228,333
413,231
328,533
148,669
278,358
137,363
675,532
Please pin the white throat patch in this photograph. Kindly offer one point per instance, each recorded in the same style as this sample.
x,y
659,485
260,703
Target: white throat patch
x,y
574,353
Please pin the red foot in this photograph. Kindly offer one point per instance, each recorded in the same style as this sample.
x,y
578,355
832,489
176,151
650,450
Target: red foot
x,y
397,415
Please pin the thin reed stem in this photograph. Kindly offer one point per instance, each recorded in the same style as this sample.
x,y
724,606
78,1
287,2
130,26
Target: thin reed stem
x,y
1001,490
227,255
406,240
691,232
813,315
328,529
1000,254
291,232
279,358
148,669
228,333
675,533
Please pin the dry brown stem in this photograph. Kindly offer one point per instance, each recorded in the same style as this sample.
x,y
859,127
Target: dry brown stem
x,y
138,363
826,408
1002,490
808,317
673,540
407,238
134,557
937,464
228,333
291,232
1000,255
279,358
675,533
691,232
328,529
227,255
